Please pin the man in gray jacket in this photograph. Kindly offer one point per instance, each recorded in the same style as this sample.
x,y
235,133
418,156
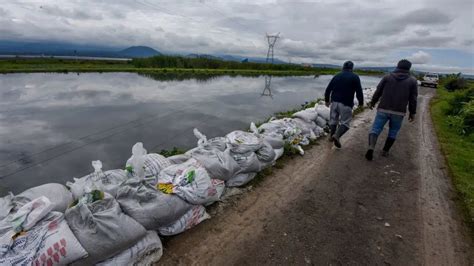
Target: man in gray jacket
x,y
395,91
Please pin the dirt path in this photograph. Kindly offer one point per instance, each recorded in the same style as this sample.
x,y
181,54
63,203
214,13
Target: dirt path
x,y
333,207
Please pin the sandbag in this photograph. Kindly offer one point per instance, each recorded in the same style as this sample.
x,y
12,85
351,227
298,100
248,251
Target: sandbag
x,y
190,181
107,181
48,242
6,205
147,251
274,139
240,179
265,154
321,122
153,163
149,206
279,153
243,142
219,143
306,127
323,111
190,219
59,196
102,228
177,159
248,162
218,164
308,115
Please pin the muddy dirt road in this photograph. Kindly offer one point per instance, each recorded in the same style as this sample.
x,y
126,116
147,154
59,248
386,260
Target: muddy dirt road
x,y
332,207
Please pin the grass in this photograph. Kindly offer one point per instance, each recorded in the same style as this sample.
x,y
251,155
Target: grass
x,y
458,151
51,65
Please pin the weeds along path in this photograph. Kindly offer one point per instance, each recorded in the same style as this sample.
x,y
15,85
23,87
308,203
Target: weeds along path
x,y
333,207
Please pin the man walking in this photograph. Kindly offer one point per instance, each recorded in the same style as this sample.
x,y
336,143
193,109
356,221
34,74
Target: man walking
x,y
340,95
395,91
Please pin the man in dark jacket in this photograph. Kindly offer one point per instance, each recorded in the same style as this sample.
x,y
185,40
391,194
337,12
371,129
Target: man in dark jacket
x,y
395,91
340,95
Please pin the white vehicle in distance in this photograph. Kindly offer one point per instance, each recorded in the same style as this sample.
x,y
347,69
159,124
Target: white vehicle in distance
x,y
430,79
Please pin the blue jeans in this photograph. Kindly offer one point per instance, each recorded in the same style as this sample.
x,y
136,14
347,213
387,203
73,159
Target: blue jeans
x,y
394,125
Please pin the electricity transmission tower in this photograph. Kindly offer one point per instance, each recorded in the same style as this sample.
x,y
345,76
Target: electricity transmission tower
x,y
267,90
271,43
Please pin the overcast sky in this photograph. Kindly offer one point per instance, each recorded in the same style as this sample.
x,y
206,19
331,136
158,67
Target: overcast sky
x,y
435,34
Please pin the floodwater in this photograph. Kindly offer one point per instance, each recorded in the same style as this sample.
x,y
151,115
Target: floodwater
x,y
53,125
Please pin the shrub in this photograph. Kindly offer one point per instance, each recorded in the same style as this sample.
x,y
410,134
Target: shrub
x,y
455,82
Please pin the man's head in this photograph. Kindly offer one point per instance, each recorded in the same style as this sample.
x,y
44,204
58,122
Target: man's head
x,y
348,65
404,64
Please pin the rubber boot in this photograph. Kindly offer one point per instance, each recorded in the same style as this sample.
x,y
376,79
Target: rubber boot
x,y
341,130
386,148
332,131
369,155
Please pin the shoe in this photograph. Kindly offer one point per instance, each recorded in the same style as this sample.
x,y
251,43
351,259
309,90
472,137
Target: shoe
x,y
369,155
332,131
386,148
341,130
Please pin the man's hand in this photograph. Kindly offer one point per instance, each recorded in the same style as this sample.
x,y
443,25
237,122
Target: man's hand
x,y
411,117
327,104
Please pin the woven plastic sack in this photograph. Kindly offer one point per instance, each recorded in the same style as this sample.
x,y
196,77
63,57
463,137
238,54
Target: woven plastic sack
x,y
190,219
320,121
240,179
6,205
243,142
308,115
103,229
107,181
323,111
147,251
59,196
149,206
190,181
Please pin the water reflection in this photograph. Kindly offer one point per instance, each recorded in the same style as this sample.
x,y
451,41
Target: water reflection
x,y
53,125
267,90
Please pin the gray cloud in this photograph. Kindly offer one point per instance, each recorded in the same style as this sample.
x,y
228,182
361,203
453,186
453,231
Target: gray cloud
x,y
321,31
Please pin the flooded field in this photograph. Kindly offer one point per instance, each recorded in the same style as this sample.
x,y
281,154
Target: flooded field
x,y
53,125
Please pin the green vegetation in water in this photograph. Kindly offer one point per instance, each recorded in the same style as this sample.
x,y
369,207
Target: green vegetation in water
x,y
172,152
453,116
163,65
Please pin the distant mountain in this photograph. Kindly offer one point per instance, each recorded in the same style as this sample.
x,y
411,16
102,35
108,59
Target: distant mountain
x,y
71,49
138,51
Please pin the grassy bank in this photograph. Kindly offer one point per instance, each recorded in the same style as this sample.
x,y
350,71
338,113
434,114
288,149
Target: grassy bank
x,y
51,65
457,141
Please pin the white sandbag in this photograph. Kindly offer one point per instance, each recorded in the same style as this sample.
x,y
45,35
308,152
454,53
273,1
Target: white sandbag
x,y
218,164
48,242
243,142
153,163
274,139
321,122
177,159
107,181
219,143
308,115
306,127
323,111
59,196
29,214
248,162
103,229
190,181
318,131
6,205
265,154
149,206
190,219
279,153
147,251
240,179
